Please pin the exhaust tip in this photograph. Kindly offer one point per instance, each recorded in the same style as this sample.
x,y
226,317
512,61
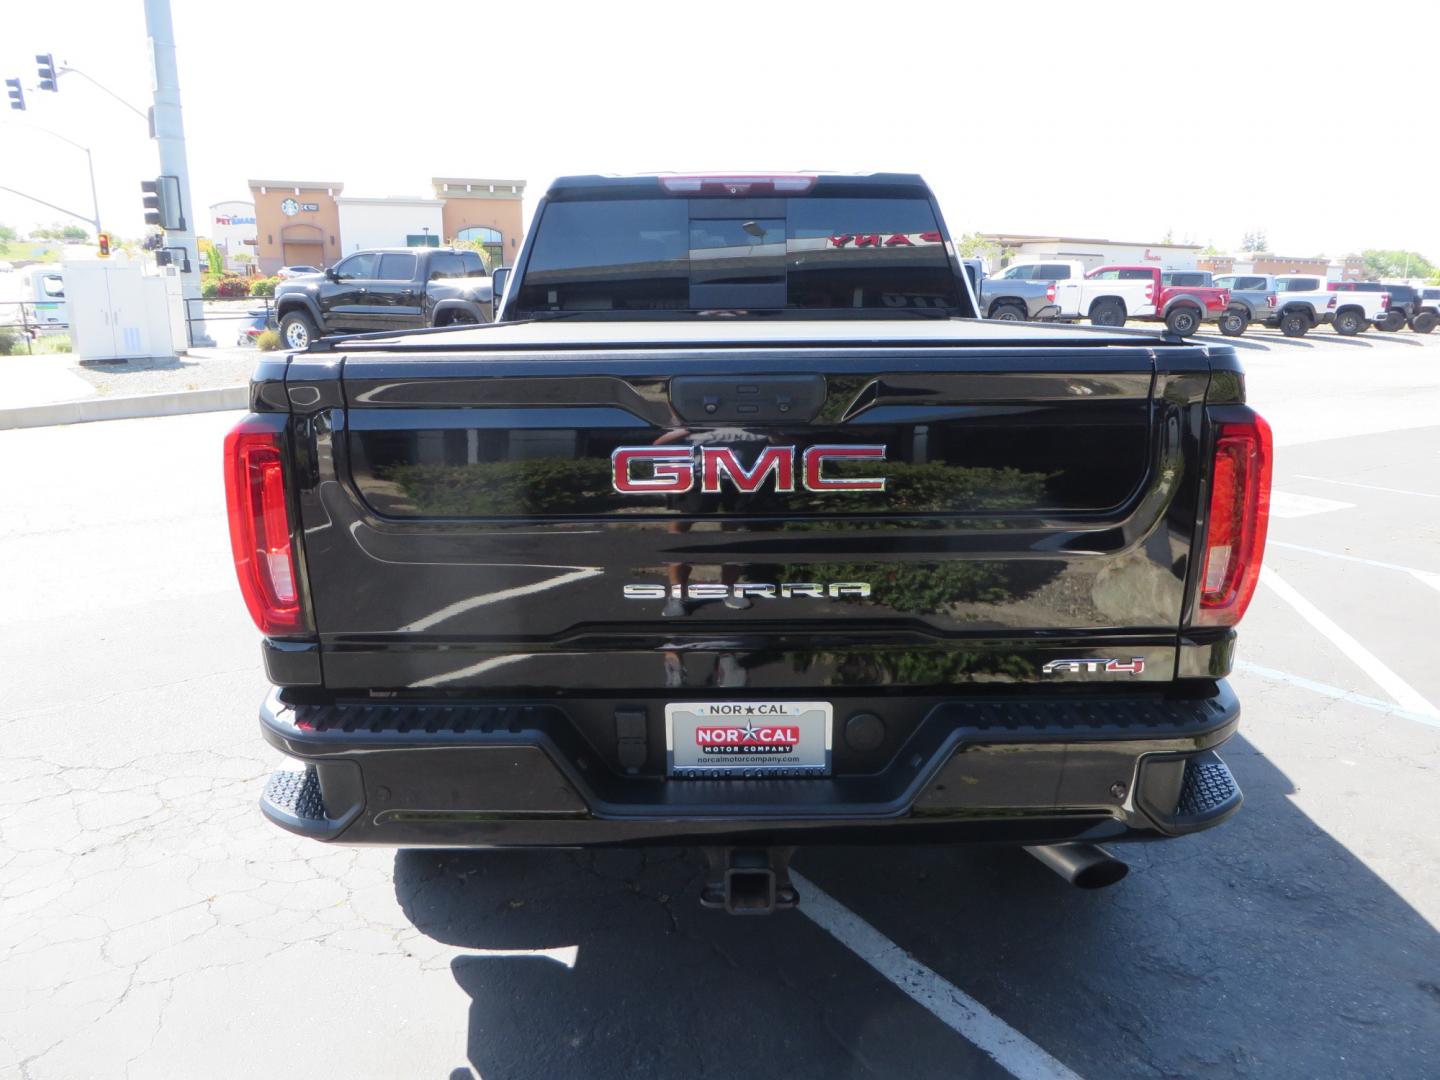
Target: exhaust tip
x,y
1086,866
1098,875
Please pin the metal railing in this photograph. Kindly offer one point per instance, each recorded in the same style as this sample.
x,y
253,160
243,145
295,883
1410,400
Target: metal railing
x,y
245,308
21,316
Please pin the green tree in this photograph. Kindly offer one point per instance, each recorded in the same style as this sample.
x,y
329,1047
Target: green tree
x,y
1382,263
7,233
1255,242
73,234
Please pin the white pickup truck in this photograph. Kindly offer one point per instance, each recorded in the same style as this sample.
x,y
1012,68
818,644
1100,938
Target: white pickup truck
x,y
1107,297
1357,310
1301,304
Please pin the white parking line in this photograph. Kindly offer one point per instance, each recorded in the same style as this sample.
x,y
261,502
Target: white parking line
x,y
1403,693
954,1008
1287,504
1369,487
1429,577
1244,667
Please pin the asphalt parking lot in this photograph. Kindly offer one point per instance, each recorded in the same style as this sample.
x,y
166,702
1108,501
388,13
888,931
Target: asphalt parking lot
x,y
152,925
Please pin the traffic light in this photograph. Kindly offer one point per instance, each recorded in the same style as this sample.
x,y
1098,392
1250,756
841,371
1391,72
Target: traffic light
x,y
46,63
103,239
17,96
161,197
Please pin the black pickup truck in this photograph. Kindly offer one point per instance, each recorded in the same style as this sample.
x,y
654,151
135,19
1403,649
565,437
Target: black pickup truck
x,y
385,289
739,531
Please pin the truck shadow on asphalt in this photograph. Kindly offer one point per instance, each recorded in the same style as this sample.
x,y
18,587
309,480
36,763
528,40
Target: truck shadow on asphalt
x,y
1262,948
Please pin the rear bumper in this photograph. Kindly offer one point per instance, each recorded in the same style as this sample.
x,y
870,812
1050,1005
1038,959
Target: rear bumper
x,y
1041,770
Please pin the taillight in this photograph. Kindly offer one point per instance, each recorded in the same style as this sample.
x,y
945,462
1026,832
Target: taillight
x,y
740,184
1150,291
1331,304
260,524
1384,301
1050,293
1270,300
1238,517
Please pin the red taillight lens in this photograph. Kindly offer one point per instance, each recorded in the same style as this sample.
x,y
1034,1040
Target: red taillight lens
x,y
1050,293
1238,518
260,524
1384,301
1270,300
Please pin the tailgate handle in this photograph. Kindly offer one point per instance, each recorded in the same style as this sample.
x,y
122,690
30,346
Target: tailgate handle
x,y
752,399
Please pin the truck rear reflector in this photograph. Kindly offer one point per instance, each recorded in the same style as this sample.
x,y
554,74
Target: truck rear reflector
x,y
1238,517
260,524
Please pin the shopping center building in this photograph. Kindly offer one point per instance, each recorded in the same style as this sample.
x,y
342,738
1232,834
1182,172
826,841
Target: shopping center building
x,y
313,223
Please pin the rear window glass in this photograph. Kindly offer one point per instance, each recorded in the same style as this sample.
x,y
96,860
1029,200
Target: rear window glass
x,y
445,265
395,267
1300,284
810,252
1052,272
1185,277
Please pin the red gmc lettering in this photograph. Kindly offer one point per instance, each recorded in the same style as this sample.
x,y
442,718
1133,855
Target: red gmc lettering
x,y
716,461
673,468
817,456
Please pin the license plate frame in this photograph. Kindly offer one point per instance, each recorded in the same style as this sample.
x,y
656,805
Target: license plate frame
x,y
748,739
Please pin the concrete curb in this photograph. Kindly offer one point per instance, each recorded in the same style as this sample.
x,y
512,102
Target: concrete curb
x,y
86,410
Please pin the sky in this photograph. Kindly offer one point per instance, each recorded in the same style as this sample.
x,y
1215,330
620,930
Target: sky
x,y
1120,120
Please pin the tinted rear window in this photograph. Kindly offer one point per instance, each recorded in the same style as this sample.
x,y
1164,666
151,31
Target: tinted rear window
x,y
812,252
1186,277
1301,284
396,268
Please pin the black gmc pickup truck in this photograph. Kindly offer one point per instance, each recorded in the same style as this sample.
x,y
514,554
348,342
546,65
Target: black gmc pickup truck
x,y
739,531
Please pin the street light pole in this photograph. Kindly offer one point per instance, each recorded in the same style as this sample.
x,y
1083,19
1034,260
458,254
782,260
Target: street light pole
x,y
169,135
99,86
90,163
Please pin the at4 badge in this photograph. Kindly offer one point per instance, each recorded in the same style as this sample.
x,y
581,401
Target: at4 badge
x,y
1095,666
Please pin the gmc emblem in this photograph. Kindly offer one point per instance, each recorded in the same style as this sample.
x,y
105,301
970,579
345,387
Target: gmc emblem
x,y
673,469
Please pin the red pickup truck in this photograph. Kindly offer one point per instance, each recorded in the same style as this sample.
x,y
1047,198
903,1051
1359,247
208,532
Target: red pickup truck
x,y
1181,307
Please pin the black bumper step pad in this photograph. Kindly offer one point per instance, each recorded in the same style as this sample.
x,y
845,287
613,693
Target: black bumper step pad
x,y
1208,787
295,793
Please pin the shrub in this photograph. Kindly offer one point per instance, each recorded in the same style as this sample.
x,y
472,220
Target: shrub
x,y
268,340
209,290
7,341
263,286
233,288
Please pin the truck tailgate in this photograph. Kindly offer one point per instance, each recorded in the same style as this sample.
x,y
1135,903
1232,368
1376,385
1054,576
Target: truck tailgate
x,y
464,527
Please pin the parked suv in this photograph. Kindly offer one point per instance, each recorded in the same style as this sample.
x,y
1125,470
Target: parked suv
x,y
1428,316
387,289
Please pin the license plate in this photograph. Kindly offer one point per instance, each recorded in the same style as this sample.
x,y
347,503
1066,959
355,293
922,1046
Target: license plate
x,y
748,738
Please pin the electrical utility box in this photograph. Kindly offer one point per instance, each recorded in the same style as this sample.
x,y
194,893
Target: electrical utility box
x,y
116,312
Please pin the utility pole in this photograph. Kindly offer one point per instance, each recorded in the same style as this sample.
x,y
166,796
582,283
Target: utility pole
x,y
169,135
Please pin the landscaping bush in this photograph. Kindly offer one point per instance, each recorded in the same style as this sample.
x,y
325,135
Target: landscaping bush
x,y
264,286
268,340
209,288
7,341
233,288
